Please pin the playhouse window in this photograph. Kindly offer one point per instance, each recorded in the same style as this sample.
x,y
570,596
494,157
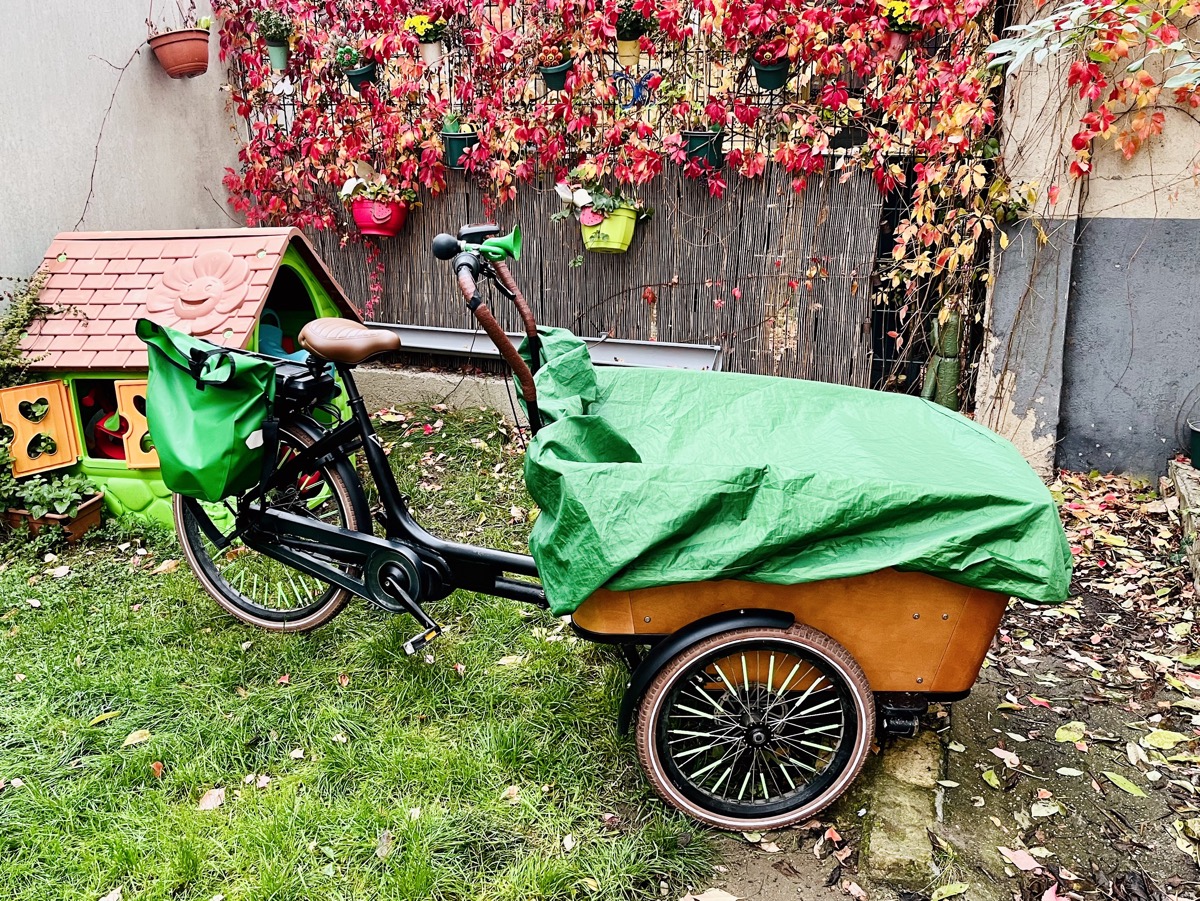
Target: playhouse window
x,y
103,426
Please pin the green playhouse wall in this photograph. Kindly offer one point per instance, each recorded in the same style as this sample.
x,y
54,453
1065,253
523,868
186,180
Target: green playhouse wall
x,y
141,492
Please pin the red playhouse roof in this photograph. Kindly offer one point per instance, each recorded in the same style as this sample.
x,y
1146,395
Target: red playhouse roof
x,y
211,283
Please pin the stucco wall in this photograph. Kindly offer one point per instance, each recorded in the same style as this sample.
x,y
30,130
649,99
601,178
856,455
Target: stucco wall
x,y
1094,335
165,145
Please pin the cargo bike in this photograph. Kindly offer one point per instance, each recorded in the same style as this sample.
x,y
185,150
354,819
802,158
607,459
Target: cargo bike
x,y
785,565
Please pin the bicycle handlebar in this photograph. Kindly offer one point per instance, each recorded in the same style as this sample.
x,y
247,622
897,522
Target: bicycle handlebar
x,y
467,266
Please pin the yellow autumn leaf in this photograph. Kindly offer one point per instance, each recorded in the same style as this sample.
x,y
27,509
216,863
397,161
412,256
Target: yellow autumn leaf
x,y
136,737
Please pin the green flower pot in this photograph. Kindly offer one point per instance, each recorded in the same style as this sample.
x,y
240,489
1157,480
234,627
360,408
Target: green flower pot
x,y
705,146
772,77
613,235
556,76
277,52
362,75
456,144
1194,441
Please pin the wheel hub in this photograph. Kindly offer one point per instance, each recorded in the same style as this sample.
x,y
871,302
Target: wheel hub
x,y
758,736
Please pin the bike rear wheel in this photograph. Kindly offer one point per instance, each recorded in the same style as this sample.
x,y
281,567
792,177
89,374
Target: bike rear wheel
x,y
257,589
756,729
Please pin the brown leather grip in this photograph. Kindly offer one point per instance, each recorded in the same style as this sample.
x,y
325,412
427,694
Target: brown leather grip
x,y
483,313
506,279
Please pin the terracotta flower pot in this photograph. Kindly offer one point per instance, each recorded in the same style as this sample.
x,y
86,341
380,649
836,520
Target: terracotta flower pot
x,y
87,517
383,218
183,54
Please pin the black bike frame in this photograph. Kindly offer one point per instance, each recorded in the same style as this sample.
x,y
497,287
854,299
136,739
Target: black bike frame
x,y
399,571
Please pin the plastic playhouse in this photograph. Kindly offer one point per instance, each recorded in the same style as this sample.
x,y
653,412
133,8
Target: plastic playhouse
x,y
248,288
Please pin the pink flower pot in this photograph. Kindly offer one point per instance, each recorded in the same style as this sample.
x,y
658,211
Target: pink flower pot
x,y
376,217
894,45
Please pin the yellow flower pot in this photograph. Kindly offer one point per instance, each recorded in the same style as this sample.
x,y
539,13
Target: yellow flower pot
x,y
628,53
613,234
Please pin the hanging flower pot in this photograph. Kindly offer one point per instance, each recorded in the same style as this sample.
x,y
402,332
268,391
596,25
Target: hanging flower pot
x,y
894,44
629,53
431,52
612,233
363,75
382,218
278,52
1194,441
771,77
183,54
456,144
705,146
556,76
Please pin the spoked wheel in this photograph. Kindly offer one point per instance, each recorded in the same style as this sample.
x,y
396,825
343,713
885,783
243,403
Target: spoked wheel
x,y
257,589
756,728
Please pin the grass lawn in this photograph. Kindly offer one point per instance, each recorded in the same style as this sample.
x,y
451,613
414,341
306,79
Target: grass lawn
x,y
349,770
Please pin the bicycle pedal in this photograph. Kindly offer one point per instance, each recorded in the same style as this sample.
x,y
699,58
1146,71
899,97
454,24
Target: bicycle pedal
x,y
417,642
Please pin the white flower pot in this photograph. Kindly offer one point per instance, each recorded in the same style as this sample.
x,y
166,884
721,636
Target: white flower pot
x,y
431,53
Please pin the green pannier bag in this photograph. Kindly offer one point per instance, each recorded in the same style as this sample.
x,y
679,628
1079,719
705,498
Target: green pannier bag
x,y
210,414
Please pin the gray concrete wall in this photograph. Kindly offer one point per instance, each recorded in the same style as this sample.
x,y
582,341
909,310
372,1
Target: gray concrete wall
x,y
165,145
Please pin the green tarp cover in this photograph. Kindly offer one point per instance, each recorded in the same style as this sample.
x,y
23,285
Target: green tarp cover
x,y
651,477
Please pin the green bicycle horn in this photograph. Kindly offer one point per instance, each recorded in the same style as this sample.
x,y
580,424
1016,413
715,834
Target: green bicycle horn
x,y
503,246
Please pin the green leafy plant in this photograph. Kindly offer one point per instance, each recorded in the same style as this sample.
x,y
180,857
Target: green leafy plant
x,y
273,27
347,56
631,24
60,494
368,184
20,309
587,201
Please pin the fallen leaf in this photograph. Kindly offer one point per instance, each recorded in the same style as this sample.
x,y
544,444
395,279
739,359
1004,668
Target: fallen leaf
x,y
1011,760
1022,860
957,746
1070,732
297,754
992,779
769,847
156,769
1045,808
947,783
854,890
114,895
712,894
568,843
1122,783
211,799
136,737
511,660
949,891
167,566
343,679
1162,739
1068,771
752,837
512,795
104,717
59,571
285,679
385,844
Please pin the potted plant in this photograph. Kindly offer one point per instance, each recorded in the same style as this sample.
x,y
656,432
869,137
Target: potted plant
x,y
182,52
351,61
275,29
899,30
554,60
69,501
632,26
771,64
457,138
378,208
606,219
429,32
705,146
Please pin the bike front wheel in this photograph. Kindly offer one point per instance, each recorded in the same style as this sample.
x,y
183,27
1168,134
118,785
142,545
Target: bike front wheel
x,y
257,589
